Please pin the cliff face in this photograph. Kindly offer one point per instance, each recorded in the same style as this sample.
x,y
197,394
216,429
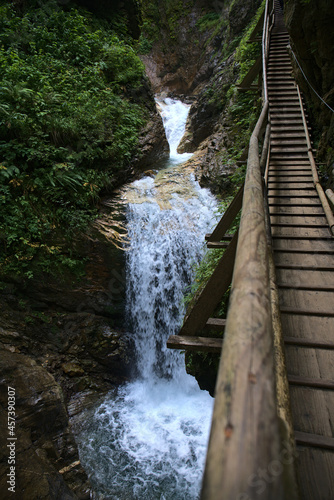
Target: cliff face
x,y
62,346
310,25
177,60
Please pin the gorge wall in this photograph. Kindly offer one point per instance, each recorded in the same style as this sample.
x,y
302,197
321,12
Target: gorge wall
x,y
312,38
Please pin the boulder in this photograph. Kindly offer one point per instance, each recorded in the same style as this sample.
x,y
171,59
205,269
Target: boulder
x,y
44,452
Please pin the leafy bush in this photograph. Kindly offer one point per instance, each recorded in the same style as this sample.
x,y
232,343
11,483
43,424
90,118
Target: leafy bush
x,y
67,127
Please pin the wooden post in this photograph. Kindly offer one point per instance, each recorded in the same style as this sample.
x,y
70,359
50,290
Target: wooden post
x,y
212,293
228,218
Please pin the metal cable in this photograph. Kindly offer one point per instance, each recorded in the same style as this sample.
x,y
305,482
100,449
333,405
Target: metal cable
x,y
316,93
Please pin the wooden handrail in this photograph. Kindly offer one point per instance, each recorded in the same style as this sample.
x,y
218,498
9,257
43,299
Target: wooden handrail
x,y
265,46
330,196
245,437
245,433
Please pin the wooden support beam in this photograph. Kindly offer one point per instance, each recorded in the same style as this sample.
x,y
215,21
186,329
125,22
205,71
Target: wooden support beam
x,y
217,324
217,244
226,237
253,88
254,36
228,218
187,343
212,293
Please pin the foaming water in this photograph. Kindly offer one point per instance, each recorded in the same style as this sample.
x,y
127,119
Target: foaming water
x,y
174,115
148,439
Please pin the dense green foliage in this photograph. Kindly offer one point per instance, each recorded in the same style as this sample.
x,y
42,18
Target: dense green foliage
x,y
241,108
68,127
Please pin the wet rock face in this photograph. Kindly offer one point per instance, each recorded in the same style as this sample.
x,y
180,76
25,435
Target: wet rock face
x,y
310,25
62,347
46,457
153,146
204,369
178,61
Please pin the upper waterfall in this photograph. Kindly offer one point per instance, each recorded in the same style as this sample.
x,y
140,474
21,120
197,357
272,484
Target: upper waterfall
x,y
174,115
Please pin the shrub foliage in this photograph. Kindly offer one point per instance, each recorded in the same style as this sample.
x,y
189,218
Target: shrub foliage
x,y
68,128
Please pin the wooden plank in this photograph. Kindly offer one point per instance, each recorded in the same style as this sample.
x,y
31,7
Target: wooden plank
x,y
212,293
228,218
289,165
289,136
316,440
217,324
287,175
284,178
313,287
309,343
311,382
284,149
303,267
299,225
317,287
301,232
306,302
312,410
188,343
289,184
305,278
308,327
299,311
297,250
310,363
315,472
304,260
297,211
319,245
292,193
286,202
299,219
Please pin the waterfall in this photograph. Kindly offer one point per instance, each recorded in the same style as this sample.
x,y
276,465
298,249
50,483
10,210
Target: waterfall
x,y
174,116
148,439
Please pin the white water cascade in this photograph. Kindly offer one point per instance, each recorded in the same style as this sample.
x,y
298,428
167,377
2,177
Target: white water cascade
x,y
148,440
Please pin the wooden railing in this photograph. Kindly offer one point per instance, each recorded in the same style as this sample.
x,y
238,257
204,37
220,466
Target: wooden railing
x,y
318,186
244,459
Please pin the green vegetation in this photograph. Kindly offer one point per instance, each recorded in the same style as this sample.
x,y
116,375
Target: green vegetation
x,y
244,107
68,129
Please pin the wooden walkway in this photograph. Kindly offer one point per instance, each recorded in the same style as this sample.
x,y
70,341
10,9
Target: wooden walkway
x,y
304,260
299,234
